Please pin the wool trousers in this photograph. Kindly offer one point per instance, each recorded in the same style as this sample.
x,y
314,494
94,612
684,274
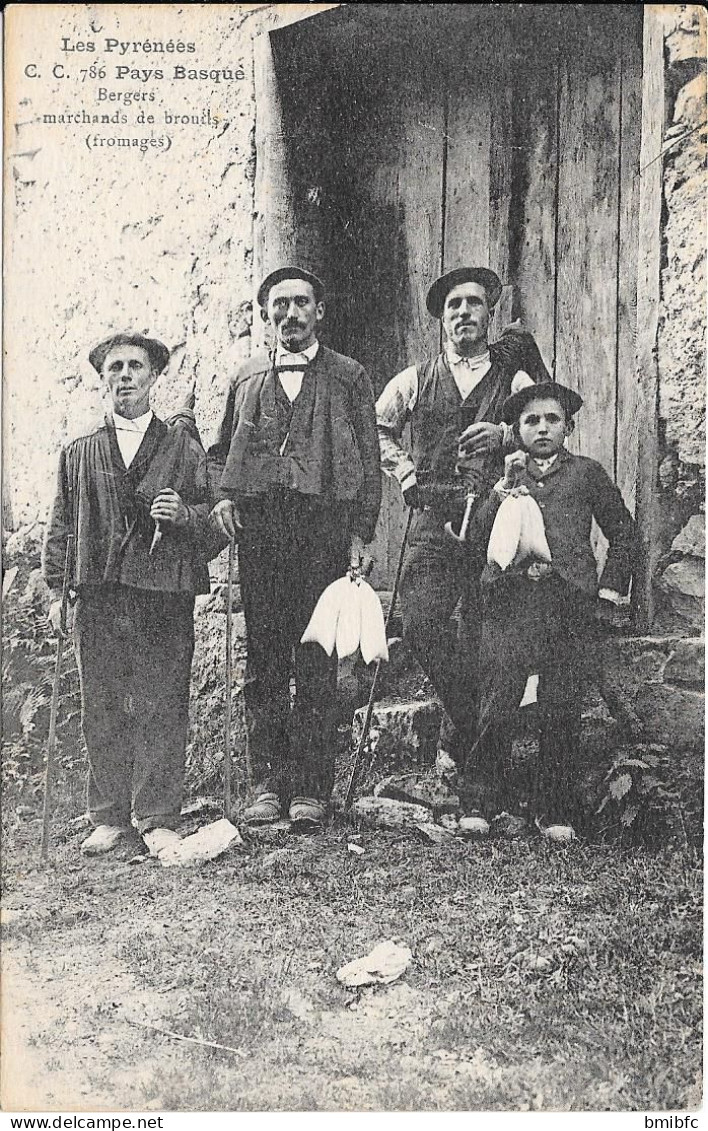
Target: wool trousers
x,y
438,576
292,548
134,649
543,627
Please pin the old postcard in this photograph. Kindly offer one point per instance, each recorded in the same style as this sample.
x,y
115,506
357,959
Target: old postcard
x,y
353,476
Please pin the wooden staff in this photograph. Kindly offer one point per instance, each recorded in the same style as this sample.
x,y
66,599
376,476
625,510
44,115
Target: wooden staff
x,y
229,676
54,709
372,694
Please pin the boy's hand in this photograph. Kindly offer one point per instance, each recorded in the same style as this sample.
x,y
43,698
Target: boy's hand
x,y
514,464
360,559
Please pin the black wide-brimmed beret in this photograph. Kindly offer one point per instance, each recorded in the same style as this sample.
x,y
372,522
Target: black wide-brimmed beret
x,y
442,287
289,273
516,403
157,352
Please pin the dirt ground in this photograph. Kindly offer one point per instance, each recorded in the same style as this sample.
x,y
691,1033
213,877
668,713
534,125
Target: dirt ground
x,y
541,979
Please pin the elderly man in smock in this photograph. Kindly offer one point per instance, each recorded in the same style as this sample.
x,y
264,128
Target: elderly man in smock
x,y
300,480
135,495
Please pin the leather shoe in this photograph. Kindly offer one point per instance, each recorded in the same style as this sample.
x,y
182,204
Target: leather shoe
x,y
306,811
264,811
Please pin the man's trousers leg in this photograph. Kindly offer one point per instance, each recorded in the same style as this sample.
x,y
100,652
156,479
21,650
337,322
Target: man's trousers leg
x,y
134,650
436,575
505,661
567,670
320,556
162,661
102,641
268,663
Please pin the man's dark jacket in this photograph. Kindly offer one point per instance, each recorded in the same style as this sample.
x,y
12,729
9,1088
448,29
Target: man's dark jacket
x,y
330,451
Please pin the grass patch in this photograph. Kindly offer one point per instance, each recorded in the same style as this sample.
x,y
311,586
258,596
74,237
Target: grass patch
x,y
541,979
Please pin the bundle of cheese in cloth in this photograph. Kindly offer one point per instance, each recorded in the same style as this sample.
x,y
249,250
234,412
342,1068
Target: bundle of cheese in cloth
x,y
348,616
518,533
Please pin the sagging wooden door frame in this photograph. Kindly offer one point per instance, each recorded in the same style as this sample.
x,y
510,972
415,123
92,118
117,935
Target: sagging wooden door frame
x,y
275,240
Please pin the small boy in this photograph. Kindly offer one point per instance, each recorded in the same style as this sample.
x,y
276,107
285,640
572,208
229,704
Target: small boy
x,y
539,617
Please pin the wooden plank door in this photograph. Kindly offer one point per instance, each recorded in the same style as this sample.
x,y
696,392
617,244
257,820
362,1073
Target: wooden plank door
x,y
391,174
587,248
522,155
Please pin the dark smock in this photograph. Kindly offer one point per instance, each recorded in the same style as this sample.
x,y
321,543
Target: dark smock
x,y
133,624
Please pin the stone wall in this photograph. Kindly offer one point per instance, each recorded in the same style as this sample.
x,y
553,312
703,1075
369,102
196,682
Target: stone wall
x,y
163,243
101,241
682,325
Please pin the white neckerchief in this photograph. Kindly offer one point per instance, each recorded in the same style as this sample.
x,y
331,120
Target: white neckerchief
x,y
467,371
291,380
129,434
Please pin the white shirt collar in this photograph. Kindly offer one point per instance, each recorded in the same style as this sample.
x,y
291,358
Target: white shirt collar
x,y
283,356
476,362
137,424
544,464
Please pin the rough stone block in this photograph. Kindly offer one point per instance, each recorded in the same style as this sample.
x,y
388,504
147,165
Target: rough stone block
x,y
685,29
672,716
682,587
686,578
420,789
687,663
24,547
402,736
36,591
692,539
435,834
383,812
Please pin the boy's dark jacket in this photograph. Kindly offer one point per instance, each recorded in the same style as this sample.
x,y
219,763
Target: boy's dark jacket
x,y
572,492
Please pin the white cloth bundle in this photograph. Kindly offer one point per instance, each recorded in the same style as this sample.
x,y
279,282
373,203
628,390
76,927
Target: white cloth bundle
x,y
518,533
348,616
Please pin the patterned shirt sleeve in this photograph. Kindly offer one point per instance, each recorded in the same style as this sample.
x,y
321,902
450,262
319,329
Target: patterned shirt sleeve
x,y
393,409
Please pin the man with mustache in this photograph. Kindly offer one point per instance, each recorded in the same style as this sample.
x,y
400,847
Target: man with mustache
x,y
454,405
135,495
297,459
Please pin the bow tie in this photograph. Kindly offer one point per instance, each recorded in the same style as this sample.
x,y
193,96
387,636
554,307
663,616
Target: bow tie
x,y
292,367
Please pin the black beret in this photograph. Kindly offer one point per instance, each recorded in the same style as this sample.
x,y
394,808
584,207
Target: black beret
x,y
289,273
157,352
516,403
442,287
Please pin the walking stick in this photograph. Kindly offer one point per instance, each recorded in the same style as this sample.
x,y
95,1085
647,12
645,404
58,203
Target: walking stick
x,y
372,694
229,670
53,711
